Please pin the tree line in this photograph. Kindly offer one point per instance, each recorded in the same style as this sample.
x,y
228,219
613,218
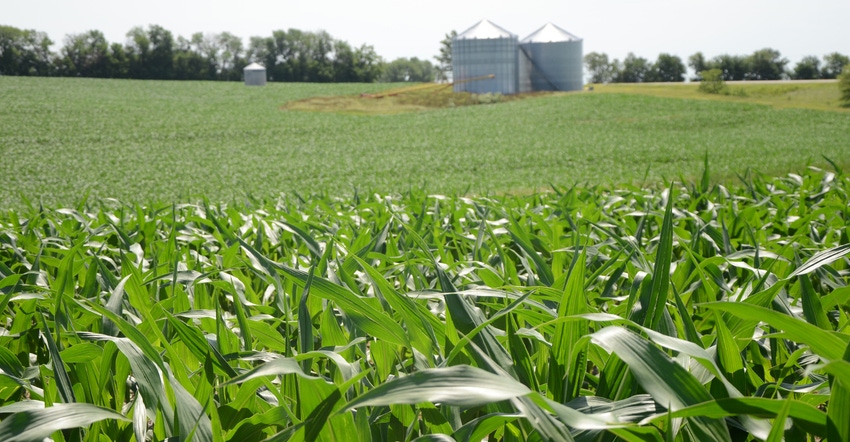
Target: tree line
x,y
763,64
304,56
154,53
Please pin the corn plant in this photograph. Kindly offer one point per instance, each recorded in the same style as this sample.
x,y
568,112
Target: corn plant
x,y
693,312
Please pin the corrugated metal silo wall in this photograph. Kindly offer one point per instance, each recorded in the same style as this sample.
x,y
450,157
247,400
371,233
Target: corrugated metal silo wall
x,y
555,66
524,74
255,78
472,58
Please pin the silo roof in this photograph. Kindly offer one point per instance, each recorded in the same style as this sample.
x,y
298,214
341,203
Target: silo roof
x,y
485,29
255,67
550,33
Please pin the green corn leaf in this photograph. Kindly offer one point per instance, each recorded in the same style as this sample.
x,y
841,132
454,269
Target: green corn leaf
x,y
806,416
478,428
370,320
839,400
667,382
812,308
63,381
305,321
826,344
777,433
821,259
544,272
140,418
465,317
661,272
38,424
434,438
460,385
567,375
275,367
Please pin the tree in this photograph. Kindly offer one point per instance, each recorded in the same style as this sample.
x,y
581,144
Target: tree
x,y
367,64
600,70
732,67
635,69
668,68
698,63
190,60
85,55
162,52
151,53
24,52
832,65
231,62
844,86
765,64
412,70
712,82
444,59
807,69
119,63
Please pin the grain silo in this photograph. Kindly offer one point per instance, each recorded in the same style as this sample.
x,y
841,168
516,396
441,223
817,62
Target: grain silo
x,y
552,59
484,59
255,75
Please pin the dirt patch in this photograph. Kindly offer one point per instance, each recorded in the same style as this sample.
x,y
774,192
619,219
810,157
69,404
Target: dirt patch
x,y
400,100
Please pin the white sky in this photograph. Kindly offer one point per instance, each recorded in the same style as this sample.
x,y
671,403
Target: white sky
x,y
414,29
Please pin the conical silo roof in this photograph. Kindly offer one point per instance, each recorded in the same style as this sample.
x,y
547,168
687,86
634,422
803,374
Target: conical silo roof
x,y
254,67
485,29
550,33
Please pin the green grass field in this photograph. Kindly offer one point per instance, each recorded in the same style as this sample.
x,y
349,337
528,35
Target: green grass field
x,y
817,95
64,139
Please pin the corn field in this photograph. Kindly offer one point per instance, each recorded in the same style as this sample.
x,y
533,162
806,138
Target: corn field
x,y
690,313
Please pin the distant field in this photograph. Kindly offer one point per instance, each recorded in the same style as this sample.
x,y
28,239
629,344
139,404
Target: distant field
x,y
145,141
819,94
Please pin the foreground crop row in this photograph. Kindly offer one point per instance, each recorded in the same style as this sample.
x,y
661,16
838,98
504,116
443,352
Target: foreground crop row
x,y
694,313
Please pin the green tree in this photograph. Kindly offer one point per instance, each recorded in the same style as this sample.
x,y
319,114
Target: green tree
x,y
190,60
367,64
444,59
85,55
807,69
712,82
698,63
668,68
765,64
844,86
24,52
162,52
119,63
231,60
295,55
635,69
732,67
599,68
151,53
404,69
832,65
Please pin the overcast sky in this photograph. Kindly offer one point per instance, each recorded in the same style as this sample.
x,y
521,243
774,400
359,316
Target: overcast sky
x,y
414,29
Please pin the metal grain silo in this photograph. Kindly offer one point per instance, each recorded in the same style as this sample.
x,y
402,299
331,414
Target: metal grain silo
x,y
484,59
255,75
553,59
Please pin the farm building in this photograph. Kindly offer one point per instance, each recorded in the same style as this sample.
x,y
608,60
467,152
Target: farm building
x,y
488,58
255,75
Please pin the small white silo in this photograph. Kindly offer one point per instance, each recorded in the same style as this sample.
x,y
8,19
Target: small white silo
x,y
255,75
